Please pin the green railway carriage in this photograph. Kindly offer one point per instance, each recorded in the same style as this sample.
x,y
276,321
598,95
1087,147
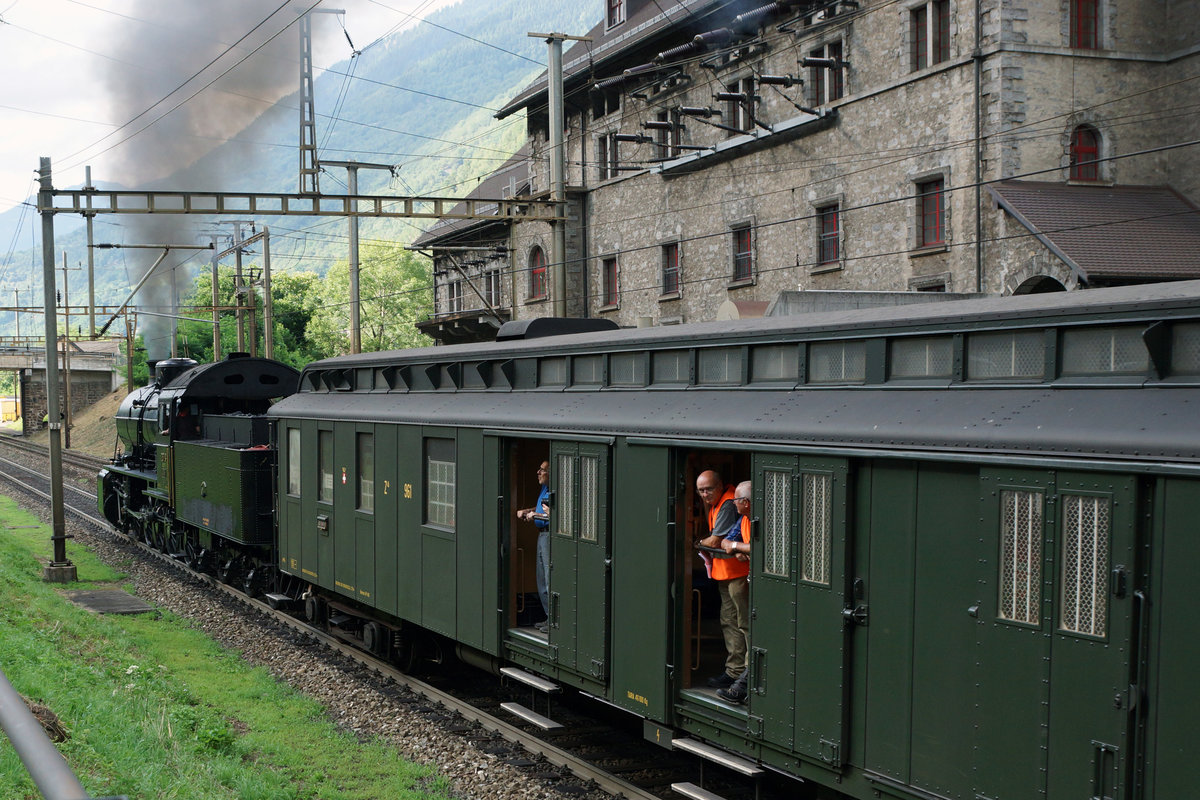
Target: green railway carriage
x,y
974,531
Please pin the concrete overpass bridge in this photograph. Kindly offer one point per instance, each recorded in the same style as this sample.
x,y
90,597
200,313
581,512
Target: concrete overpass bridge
x,y
95,369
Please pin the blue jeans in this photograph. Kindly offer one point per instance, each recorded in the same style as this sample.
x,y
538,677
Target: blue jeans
x,y
543,569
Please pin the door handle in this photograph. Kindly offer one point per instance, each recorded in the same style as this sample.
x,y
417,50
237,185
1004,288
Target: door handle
x,y
855,616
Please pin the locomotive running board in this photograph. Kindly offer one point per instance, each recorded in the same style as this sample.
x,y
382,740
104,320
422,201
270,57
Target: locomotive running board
x,y
532,717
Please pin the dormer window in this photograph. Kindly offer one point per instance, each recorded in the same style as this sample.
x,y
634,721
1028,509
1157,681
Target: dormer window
x,y
616,12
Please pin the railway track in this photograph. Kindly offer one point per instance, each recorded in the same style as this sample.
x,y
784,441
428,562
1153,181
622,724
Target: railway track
x,y
597,754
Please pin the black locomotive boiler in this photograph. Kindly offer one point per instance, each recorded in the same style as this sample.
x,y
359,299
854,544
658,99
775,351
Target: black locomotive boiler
x,y
974,549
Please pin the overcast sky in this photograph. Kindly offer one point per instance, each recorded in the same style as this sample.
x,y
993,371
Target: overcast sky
x,y
82,78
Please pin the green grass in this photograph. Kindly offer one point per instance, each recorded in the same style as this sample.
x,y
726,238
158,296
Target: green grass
x,y
155,709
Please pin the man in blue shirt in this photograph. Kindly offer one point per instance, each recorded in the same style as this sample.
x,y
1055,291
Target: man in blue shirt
x,y
539,515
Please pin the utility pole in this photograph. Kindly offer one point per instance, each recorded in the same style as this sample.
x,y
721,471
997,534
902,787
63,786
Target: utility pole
x,y
352,168
558,241
268,306
60,569
90,216
239,285
216,297
66,357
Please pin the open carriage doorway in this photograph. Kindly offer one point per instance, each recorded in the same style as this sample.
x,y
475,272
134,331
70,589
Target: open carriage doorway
x,y
701,642
520,483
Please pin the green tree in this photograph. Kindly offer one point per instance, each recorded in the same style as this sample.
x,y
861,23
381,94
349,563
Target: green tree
x,y
394,294
141,372
294,295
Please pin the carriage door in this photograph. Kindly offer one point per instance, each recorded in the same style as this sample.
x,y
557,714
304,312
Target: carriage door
x,y
798,594
1091,649
1054,630
579,557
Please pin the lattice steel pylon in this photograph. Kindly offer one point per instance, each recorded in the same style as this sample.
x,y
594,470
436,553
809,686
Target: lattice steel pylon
x,y
309,168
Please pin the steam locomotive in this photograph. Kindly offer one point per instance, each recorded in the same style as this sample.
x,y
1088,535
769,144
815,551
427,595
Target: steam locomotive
x,y
974,549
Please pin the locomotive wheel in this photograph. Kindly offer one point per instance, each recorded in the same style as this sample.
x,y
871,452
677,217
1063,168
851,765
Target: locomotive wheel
x,y
227,571
314,609
375,638
252,582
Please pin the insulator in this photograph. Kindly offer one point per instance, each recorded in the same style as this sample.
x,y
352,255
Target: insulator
x,y
658,125
778,80
633,138
639,69
736,97
682,51
608,83
696,111
827,63
714,38
751,19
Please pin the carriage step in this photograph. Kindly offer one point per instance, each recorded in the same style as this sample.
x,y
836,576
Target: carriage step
x,y
532,717
694,792
717,756
278,602
529,679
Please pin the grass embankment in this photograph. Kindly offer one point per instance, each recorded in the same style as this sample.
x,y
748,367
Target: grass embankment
x,y
155,709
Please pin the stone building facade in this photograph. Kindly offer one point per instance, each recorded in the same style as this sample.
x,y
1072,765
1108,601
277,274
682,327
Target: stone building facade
x,y
720,151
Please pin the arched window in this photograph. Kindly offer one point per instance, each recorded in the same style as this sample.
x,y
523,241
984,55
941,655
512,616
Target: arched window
x,y
1085,154
537,274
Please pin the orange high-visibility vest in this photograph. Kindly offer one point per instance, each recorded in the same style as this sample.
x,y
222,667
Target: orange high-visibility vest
x,y
724,569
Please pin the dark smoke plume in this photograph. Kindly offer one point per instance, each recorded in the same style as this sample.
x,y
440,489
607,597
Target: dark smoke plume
x,y
176,41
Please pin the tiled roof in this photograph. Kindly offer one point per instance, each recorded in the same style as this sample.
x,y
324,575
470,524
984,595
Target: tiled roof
x,y
1109,233
512,178
647,20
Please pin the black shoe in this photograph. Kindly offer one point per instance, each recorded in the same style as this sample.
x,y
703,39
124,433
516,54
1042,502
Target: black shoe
x,y
721,681
542,627
732,694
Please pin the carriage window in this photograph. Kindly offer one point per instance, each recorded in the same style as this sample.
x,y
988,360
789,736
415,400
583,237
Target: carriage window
x,y
325,466
552,371
440,483
1021,556
627,369
588,370
994,356
563,513
1085,564
818,525
1104,351
837,362
1185,349
672,367
293,462
774,362
365,451
721,366
923,357
777,502
589,500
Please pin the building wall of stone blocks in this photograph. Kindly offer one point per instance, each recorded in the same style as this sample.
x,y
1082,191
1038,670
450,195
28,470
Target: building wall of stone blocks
x,y
87,388
895,127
